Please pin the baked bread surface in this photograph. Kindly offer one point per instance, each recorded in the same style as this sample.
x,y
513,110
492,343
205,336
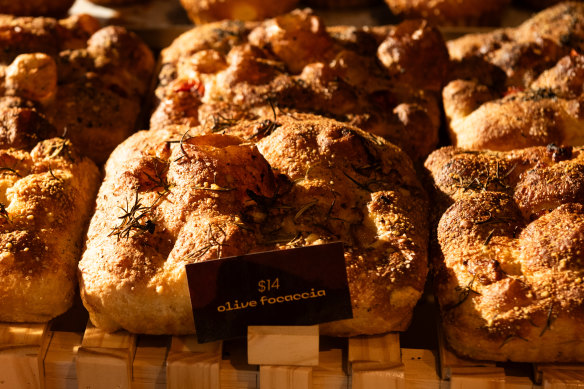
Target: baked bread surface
x,y
384,80
70,78
521,87
46,199
509,263
308,181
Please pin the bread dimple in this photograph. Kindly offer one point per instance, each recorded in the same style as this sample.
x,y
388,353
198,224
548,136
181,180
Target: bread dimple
x,y
510,266
308,180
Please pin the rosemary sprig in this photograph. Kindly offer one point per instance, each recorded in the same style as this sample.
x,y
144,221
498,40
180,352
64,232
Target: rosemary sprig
x,y
267,126
489,237
4,213
548,322
221,123
464,293
159,180
512,337
10,170
214,239
183,138
133,219
304,208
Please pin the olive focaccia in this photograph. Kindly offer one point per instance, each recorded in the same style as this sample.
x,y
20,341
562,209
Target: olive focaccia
x,y
70,78
510,264
309,180
46,199
519,87
385,80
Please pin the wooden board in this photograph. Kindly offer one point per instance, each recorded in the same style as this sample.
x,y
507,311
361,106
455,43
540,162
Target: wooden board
x,y
35,356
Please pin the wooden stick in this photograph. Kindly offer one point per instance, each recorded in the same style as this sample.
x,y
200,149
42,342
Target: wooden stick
x,y
283,345
104,360
149,366
22,349
191,364
59,363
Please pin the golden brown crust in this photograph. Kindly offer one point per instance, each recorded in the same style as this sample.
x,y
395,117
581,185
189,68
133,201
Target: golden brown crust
x,y
366,77
35,7
73,79
528,87
206,11
46,197
309,181
510,264
451,12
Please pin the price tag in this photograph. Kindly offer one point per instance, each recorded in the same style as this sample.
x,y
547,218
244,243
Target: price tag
x,y
302,286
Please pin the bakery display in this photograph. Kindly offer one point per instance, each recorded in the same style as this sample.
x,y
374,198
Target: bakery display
x,y
451,12
205,11
46,198
510,262
73,79
519,87
385,80
35,7
308,180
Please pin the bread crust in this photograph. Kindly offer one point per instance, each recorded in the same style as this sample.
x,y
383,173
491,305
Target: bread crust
x,y
309,180
375,79
46,198
80,81
521,87
509,262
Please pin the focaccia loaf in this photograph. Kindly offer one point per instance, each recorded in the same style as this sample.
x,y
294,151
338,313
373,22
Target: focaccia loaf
x,y
510,264
79,81
46,199
519,87
384,79
166,203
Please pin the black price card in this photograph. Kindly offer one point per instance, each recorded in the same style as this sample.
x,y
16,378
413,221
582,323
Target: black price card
x,y
302,286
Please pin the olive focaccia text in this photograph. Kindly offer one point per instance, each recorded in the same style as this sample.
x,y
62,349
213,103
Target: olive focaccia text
x,y
308,180
519,87
72,79
385,80
46,199
510,259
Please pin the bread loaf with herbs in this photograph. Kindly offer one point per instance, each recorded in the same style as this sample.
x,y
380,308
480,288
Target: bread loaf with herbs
x,y
509,263
175,196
